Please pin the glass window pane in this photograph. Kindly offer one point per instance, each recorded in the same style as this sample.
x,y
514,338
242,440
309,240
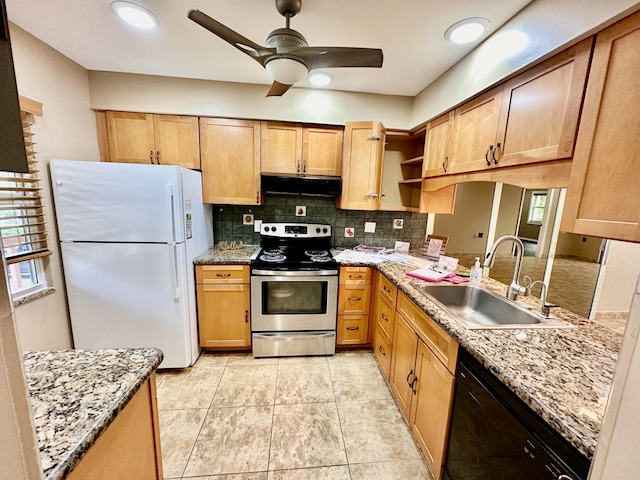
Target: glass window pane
x,y
22,275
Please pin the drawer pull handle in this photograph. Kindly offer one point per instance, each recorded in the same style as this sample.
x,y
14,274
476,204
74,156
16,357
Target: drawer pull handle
x,y
223,274
486,155
381,351
354,299
413,388
386,289
384,317
353,329
409,376
246,316
355,277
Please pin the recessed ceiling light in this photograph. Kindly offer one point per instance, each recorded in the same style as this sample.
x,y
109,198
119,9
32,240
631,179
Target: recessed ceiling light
x,y
466,31
320,79
135,15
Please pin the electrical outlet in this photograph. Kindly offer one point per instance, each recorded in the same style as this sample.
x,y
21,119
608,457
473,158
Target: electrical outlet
x,y
256,225
369,227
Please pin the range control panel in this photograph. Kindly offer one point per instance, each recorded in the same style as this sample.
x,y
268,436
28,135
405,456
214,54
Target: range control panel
x,y
295,230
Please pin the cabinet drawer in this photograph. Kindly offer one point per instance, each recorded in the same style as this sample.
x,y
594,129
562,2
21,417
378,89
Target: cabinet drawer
x,y
353,300
388,290
382,350
222,274
352,329
384,316
439,341
355,276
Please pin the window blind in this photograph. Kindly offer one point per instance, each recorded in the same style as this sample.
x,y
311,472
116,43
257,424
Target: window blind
x,y
22,225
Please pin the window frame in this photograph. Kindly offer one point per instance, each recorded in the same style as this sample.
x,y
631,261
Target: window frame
x,y
533,207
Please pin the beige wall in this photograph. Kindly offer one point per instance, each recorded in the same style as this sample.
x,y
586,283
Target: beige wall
x,y
573,245
572,21
509,210
621,275
154,94
66,130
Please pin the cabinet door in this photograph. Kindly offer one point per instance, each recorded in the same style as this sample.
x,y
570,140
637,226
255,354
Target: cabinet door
x,y
281,148
384,316
130,137
177,141
431,407
322,151
437,146
541,108
474,132
223,315
602,198
382,351
403,360
230,161
362,166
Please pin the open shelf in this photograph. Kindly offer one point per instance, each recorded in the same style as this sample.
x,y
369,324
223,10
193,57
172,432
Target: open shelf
x,y
411,182
417,161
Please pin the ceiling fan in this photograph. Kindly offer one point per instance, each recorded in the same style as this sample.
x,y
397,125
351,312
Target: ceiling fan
x,y
287,56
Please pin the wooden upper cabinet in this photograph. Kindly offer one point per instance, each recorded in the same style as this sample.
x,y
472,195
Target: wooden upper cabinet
x,y
177,140
230,161
541,108
362,165
293,149
437,146
602,198
131,138
153,139
474,132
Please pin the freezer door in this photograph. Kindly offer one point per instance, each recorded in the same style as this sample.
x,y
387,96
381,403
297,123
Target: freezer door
x,y
131,295
117,202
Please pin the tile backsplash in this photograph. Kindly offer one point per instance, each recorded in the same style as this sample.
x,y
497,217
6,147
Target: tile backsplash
x,y
228,225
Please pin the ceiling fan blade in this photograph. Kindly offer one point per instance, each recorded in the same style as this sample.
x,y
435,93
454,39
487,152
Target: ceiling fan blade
x,y
258,52
333,57
278,89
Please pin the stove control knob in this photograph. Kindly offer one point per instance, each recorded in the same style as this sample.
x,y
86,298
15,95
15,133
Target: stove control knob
x,y
266,229
273,229
325,230
317,229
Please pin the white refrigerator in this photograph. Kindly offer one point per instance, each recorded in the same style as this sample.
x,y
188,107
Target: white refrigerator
x,y
128,236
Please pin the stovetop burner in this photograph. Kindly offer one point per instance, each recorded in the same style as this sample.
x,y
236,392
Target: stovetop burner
x,y
316,253
273,257
320,258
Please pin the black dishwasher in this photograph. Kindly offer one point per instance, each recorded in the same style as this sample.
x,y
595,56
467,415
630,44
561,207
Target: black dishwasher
x,y
495,435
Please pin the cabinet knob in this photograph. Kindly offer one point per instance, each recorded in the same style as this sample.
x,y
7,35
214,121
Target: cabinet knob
x,y
304,166
372,195
298,162
375,138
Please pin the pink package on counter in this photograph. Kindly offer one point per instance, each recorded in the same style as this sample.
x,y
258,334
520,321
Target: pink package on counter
x,y
430,275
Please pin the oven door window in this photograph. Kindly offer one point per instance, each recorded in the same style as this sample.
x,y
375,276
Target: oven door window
x,y
294,297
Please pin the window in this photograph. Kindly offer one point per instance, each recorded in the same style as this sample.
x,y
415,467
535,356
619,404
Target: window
x,y
537,206
22,226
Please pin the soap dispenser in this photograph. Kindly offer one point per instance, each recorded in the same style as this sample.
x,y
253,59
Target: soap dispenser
x,y
476,272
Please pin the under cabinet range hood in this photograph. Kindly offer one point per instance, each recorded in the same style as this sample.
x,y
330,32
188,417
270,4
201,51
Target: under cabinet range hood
x,y
310,186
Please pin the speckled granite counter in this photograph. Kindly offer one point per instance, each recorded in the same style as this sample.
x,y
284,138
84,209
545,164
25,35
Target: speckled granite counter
x,y
217,255
562,374
76,394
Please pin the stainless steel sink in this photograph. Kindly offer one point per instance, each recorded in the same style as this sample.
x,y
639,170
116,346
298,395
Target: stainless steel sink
x,y
477,308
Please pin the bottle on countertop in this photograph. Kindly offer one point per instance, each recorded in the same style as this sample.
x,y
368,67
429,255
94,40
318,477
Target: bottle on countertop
x,y
476,272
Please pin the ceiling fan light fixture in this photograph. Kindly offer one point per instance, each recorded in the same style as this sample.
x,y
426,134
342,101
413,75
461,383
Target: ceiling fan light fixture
x,y
286,70
320,79
135,15
466,31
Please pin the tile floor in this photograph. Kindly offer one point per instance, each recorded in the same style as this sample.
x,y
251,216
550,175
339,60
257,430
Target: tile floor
x,y
233,417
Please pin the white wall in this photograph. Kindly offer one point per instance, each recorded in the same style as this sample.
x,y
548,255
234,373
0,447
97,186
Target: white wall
x,y
622,272
66,130
573,20
154,94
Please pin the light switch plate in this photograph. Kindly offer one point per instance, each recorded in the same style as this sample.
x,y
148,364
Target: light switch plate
x,y
301,211
256,225
398,223
247,219
349,232
369,227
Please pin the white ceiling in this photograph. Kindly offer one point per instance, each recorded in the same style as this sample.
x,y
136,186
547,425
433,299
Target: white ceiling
x,y
410,33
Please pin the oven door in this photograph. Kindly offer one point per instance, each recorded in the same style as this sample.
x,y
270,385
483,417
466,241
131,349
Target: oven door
x,y
293,302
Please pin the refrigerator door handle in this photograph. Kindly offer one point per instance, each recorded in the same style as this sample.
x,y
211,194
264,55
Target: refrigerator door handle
x,y
175,282
171,196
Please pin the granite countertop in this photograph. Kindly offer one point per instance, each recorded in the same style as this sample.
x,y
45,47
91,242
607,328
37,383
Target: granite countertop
x,y
76,394
564,375
217,255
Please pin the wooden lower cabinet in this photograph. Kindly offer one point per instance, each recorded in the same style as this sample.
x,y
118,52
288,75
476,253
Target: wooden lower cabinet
x,y
382,351
354,296
223,306
352,329
130,446
405,345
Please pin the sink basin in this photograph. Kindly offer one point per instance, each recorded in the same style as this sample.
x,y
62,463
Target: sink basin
x,y
477,308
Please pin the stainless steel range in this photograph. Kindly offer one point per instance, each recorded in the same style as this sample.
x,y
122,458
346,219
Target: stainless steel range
x,y
294,291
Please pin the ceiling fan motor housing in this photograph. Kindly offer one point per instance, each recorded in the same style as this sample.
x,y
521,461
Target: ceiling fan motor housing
x,y
285,37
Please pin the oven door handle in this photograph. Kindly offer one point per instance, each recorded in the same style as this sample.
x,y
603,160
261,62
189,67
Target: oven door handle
x,y
298,273
293,336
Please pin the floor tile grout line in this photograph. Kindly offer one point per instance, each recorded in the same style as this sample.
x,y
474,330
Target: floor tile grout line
x,y
344,443
273,417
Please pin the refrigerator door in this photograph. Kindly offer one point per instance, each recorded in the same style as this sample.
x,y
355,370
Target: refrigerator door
x,y
130,295
117,202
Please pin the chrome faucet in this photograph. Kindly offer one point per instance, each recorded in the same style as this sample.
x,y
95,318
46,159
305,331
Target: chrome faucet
x,y
545,310
515,288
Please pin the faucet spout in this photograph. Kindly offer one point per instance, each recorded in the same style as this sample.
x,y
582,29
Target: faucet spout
x,y
515,288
